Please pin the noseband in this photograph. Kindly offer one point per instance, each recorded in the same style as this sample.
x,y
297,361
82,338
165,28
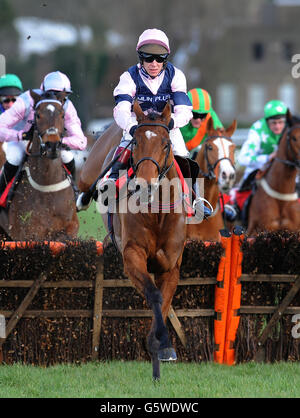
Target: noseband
x,y
295,162
210,175
161,172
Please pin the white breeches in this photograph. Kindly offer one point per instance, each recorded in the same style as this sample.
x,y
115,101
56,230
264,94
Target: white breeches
x,y
15,152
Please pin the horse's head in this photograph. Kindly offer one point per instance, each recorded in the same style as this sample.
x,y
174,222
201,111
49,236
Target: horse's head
x,y
291,137
217,154
151,151
49,121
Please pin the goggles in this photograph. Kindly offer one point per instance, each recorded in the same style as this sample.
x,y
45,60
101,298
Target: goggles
x,y
153,57
8,99
199,115
277,121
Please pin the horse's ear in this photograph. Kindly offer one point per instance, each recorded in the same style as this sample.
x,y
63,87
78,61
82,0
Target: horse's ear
x,y
36,97
166,114
289,118
230,131
138,111
210,126
61,96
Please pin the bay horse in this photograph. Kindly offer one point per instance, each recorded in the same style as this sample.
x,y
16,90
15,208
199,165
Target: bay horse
x,y
152,241
43,203
274,205
217,166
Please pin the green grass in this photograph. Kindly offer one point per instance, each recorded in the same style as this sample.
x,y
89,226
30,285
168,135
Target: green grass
x,y
91,225
133,380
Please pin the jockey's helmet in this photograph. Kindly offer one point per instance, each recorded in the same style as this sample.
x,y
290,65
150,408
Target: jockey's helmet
x,y
153,41
201,100
10,85
275,109
56,81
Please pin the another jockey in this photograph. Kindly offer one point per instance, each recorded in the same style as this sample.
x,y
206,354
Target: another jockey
x,y
261,143
153,82
10,87
195,131
260,146
17,121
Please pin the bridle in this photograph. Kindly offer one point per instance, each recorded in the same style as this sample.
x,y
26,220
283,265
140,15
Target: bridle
x,y
210,175
44,146
295,162
161,171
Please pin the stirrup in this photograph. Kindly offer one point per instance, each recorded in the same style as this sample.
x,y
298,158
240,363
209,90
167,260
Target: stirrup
x,y
200,210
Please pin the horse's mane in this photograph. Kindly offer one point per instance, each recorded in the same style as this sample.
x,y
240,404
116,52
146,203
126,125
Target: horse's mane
x,y
153,116
294,121
49,95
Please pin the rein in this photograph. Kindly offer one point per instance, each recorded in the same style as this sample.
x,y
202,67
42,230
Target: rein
x,y
161,172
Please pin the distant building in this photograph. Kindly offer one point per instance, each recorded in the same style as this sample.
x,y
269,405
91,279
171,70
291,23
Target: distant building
x,y
251,63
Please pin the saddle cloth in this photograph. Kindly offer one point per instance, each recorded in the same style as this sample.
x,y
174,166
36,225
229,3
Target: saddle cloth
x,y
121,182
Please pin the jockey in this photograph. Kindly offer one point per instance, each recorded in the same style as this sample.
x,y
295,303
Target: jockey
x,y
195,131
261,143
10,87
17,121
153,82
258,149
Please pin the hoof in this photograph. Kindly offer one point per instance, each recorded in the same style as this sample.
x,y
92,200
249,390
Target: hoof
x,y
167,354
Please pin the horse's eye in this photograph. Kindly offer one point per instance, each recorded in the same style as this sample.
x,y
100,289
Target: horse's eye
x,y
37,116
209,147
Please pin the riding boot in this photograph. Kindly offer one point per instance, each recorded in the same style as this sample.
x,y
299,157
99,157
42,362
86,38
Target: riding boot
x,y
70,166
8,172
248,181
113,174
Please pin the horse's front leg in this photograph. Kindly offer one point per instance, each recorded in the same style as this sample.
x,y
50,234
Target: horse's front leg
x,y
167,283
135,267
